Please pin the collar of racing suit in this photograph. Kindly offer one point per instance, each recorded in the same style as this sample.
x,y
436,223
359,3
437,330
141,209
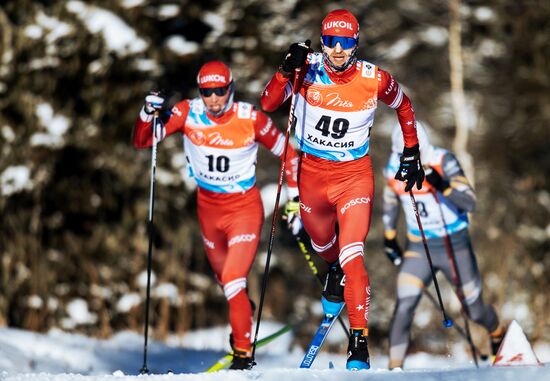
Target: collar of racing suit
x,y
222,116
340,77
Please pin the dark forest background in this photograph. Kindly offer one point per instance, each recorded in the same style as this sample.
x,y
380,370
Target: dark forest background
x,y
75,193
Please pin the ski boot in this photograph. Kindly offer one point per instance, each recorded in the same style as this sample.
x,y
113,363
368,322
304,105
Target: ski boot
x,y
333,292
358,350
242,360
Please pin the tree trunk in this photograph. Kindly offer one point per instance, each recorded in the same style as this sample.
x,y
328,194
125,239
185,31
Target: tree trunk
x,y
460,143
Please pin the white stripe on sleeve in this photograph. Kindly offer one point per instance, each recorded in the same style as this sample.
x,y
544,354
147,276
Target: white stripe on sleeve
x,y
398,98
278,147
144,116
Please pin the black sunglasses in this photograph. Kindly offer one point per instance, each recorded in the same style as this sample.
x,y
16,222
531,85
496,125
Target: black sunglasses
x,y
208,91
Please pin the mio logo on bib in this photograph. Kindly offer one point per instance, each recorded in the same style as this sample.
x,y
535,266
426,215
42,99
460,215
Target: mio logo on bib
x,y
334,99
215,138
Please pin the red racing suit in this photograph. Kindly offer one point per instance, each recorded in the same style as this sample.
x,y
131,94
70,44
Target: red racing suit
x,y
221,154
334,115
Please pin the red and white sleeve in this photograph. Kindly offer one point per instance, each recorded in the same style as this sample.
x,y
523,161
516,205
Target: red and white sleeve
x,y
274,140
143,134
276,92
392,94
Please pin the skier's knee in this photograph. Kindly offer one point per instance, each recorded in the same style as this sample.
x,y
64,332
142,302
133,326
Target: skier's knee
x,y
406,306
355,271
477,311
409,285
328,251
233,287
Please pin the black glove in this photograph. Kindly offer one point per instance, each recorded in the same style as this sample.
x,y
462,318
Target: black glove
x,y
411,169
435,179
393,251
296,56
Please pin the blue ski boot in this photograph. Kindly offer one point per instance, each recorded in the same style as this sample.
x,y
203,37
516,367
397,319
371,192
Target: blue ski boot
x,y
358,350
333,292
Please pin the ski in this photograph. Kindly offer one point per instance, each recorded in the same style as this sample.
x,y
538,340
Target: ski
x,y
225,361
319,338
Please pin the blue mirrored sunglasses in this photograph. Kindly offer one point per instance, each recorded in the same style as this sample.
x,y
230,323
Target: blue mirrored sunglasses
x,y
345,42
208,91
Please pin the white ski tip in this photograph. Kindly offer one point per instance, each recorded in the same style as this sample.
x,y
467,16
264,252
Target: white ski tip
x,y
118,373
515,349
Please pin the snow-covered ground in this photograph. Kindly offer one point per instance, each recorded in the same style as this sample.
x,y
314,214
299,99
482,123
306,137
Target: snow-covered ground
x,y
60,356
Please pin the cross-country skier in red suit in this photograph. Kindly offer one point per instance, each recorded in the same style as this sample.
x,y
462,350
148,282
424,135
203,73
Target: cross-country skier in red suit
x,y
335,104
220,139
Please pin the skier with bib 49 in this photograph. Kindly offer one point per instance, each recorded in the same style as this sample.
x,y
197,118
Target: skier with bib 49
x,y
443,205
334,110
220,139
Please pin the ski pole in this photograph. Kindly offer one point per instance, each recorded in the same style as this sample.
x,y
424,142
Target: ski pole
x,y
291,118
456,278
458,328
315,272
447,322
144,369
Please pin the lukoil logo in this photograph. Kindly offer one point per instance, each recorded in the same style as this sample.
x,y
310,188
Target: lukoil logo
x,y
338,24
353,202
213,78
266,128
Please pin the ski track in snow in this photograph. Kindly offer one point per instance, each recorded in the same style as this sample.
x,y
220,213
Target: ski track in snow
x,y
60,356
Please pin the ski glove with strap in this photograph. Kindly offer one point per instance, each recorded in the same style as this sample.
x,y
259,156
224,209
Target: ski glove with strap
x,y
435,179
292,216
296,56
153,102
410,170
393,251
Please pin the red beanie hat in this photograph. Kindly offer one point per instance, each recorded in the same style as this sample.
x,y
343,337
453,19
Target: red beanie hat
x,y
214,74
340,22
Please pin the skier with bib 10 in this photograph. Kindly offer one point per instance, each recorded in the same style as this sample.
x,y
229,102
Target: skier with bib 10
x,y
220,139
335,102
